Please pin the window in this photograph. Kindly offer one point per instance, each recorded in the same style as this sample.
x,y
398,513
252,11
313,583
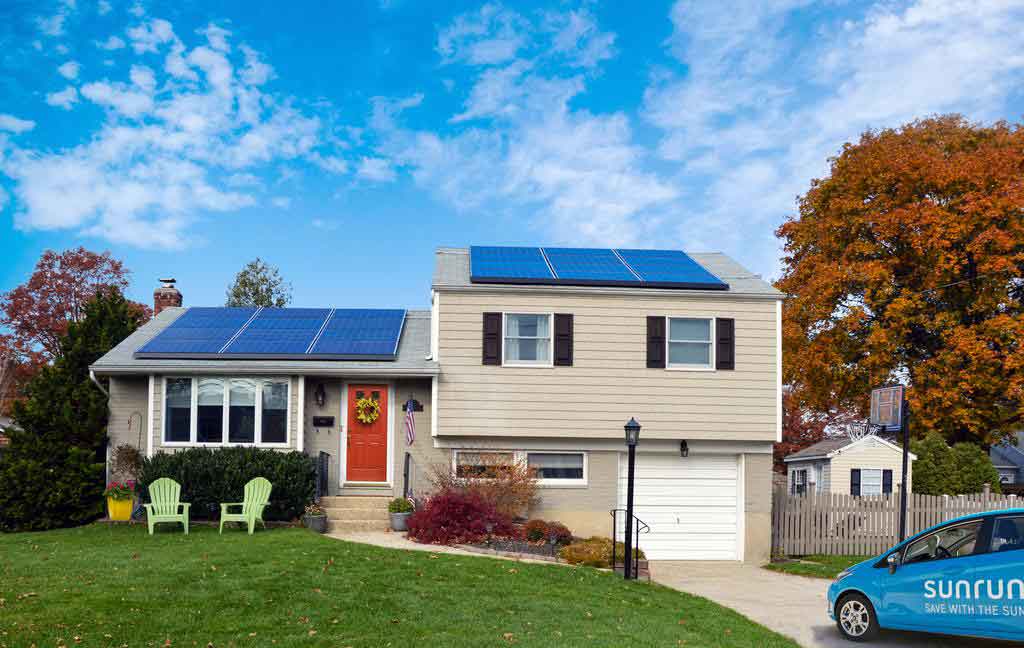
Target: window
x,y
210,415
870,481
1007,476
689,343
799,482
223,411
178,410
481,464
527,339
275,412
557,466
950,542
1008,534
242,420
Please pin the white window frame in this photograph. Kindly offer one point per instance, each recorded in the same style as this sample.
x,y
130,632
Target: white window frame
x,y
796,482
522,457
258,381
551,340
668,342
881,481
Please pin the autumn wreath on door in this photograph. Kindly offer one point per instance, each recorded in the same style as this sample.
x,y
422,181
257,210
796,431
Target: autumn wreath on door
x,y
367,410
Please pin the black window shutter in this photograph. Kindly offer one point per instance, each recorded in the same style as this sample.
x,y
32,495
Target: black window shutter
x,y
492,339
655,342
725,346
886,482
563,340
855,482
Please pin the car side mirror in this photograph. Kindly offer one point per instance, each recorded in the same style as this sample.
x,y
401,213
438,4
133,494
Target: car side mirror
x,y
894,562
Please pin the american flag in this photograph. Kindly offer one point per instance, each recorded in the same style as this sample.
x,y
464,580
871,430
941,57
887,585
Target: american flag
x,y
410,422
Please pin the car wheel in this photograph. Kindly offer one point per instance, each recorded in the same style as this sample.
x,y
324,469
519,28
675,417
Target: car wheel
x,y
855,618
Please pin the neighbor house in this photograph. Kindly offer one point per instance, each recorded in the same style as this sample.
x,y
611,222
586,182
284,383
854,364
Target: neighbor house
x,y
870,465
535,355
1008,458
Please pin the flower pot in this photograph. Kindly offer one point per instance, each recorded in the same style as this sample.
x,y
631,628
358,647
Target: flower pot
x,y
119,510
399,521
317,523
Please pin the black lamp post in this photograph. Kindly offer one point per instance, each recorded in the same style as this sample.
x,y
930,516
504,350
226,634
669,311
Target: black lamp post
x,y
632,436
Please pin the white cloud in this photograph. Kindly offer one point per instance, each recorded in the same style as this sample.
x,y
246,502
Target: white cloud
x,y
578,37
137,10
112,43
281,202
13,124
376,169
217,37
489,36
760,109
326,225
179,142
65,98
103,7
69,70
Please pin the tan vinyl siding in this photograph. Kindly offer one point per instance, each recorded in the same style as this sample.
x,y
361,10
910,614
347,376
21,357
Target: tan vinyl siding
x,y
609,381
584,509
873,455
128,414
757,507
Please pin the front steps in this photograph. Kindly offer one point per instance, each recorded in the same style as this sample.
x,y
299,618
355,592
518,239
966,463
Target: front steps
x,y
356,513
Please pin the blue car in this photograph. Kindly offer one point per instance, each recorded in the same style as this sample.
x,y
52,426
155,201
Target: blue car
x,y
962,577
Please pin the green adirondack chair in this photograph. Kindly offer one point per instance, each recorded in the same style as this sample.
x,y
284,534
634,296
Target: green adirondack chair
x,y
165,506
257,497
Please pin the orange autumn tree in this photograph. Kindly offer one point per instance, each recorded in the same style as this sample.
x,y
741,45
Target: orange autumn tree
x,y
906,263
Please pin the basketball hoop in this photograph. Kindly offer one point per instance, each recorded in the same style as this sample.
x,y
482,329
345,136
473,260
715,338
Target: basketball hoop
x,y
858,430
887,407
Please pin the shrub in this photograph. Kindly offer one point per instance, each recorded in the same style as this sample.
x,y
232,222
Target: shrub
x,y
595,552
944,470
456,517
536,531
400,505
510,488
209,477
562,534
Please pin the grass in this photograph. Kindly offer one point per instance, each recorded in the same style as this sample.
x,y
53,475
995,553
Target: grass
x,y
817,566
113,586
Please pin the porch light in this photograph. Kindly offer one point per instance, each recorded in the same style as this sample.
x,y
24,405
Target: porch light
x,y
632,429
320,395
684,450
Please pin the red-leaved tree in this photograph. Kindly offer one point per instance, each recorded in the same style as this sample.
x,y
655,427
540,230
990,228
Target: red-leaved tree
x,y
37,313
801,427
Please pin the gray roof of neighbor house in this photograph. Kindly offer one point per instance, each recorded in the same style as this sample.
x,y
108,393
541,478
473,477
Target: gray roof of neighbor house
x,y
411,359
821,448
451,271
1007,454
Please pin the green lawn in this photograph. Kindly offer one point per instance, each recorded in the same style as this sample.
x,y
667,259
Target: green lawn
x,y
116,586
817,566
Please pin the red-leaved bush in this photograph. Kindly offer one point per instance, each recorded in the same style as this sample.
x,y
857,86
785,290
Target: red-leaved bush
x,y
457,517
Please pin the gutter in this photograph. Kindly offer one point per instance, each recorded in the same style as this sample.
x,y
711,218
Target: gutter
x,y
142,369
607,290
92,377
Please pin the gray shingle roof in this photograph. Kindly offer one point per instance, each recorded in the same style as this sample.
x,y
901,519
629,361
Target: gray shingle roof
x,y
413,349
821,448
451,270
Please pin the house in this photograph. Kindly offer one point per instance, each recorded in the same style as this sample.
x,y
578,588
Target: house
x,y
870,465
536,355
1008,458
5,422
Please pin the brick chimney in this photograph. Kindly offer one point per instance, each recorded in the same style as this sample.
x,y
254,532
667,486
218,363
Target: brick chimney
x,y
166,296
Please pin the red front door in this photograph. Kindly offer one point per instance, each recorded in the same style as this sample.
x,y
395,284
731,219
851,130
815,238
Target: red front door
x,y
367,456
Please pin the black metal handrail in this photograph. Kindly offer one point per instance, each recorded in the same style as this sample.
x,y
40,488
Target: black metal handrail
x,y
323,468
639,527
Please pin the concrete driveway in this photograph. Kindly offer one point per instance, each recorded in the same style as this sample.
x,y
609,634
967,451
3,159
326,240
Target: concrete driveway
x,y
790,605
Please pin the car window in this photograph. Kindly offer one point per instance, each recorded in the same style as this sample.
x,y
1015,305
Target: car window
x,y
950,542
1008,534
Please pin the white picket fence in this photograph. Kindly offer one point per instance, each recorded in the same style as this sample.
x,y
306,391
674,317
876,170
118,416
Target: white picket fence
x,y
830,524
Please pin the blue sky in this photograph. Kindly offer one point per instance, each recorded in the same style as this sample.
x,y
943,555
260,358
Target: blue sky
x,y
343,142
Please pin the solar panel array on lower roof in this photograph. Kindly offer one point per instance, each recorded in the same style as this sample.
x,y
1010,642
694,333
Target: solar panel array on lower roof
x,y
590,267
279,333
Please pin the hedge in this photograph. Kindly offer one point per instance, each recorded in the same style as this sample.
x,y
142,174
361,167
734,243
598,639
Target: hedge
x,y
209,477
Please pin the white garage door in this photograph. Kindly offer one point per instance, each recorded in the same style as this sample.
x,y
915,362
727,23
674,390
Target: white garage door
x,y
691,504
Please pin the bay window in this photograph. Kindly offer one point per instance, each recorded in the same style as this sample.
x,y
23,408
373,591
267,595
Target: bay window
x,y
226,411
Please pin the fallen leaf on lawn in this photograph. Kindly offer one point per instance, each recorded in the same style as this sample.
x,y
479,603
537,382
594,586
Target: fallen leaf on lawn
x,y
167,642
26,595
513,571
303,619
682,621
135,556
728,631
509,637
589,615
433,555
317,590
312,632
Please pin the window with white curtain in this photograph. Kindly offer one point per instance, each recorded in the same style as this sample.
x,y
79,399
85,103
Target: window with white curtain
x,y
557,466
527,339
689,342
870,481
226,411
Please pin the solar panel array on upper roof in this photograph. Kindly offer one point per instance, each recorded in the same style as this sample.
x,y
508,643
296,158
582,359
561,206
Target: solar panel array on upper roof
x,y
590,267
279,333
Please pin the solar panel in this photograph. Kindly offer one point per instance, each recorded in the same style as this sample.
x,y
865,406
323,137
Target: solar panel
x,y
670,269
198,331
279,332
508,265
582,266
359,333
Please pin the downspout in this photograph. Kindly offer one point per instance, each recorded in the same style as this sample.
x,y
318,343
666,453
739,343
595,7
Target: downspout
x,y
92,377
